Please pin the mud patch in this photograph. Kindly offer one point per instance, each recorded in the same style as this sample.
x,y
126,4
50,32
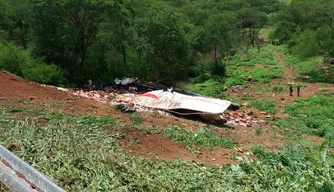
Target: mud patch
x,y
157,147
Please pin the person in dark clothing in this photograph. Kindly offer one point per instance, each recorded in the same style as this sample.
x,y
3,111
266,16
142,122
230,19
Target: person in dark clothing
x,y
291,90
99,85
298,91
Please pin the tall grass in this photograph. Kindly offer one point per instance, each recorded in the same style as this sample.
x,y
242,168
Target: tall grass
x,y
200,137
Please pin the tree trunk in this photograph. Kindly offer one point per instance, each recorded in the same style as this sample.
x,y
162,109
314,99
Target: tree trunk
x,y
154,68
216,59
83,50
252,36
24,36
124,54
121,39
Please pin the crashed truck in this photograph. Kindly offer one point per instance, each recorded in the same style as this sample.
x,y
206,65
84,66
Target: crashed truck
x,y
175,101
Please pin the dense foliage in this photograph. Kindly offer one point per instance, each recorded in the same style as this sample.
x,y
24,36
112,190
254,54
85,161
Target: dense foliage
x,y
22,63
160,40
307,27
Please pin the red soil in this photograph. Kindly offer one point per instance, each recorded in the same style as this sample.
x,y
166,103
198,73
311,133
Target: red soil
x,y
15,91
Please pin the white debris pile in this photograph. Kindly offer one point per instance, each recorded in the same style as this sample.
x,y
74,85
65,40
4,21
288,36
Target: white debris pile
x,y
54,87
242,118
99,96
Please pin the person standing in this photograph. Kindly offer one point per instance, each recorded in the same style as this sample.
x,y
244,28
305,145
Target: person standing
x,y
291,89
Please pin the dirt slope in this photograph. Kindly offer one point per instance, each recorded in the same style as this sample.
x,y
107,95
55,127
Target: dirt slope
x,y
15,91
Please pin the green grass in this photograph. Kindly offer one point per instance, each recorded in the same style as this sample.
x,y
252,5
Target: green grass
x,y
265,105
212,87
266,58
200,137
209,85
278,88
120,107
83,154
309,67
136,118
267,32
316,75
314,116
246,97
259,131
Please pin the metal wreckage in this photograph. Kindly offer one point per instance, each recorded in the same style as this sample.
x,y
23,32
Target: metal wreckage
x,y
173,100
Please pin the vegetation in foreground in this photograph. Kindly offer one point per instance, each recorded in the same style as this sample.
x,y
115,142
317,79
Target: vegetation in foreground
x,y
200,137
82,153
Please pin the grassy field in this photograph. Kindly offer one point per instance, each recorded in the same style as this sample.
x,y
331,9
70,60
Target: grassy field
x,y
261,66
199,137
314,116
83,154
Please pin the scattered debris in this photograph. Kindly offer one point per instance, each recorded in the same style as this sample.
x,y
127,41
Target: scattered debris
x,y
245,104
133,84
238,89
170,103
242,118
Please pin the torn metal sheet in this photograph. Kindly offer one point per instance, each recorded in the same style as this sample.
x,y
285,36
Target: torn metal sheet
x,y
173,101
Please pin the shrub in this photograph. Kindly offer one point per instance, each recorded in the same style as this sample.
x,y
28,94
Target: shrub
x,y
11,58
218,69
21,63
43,73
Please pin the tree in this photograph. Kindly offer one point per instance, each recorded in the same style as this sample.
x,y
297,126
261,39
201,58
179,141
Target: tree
x,y
307,27
218,36
4,15
161,41
52,36
64,30
85,15
14,20
251,21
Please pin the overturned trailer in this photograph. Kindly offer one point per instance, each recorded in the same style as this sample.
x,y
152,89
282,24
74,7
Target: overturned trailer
x,y
208,109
